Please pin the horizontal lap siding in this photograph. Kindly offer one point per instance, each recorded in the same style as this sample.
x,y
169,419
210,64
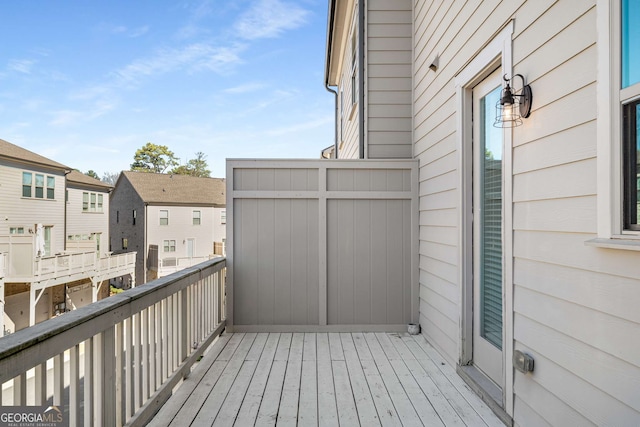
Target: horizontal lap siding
x,y
575,306
388,79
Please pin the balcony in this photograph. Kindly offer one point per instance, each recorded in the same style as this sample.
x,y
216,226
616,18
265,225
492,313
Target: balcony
x,y
322,282
117,362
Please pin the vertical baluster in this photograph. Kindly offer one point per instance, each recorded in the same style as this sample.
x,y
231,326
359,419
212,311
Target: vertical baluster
x,y
119,376
58,379
40,384
136,362
184,323
207,301
165,346
127,372
152,349
88,382
145,354
160,354
176,331
20,390
75,416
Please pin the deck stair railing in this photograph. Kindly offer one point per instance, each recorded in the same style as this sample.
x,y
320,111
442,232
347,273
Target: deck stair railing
x,y
116,362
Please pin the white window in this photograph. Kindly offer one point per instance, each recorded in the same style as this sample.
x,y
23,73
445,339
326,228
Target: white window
x,y
223,217
16,230
354,67
36,188
196,217
92,202
169,245
164,217
618,142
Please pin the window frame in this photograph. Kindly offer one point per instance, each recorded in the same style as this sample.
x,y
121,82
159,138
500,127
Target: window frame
x,y
28,186
50,184
161,217
611,231
198,218
168,246
223,216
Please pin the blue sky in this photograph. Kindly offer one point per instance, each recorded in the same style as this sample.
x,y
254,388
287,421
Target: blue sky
x,y
87,83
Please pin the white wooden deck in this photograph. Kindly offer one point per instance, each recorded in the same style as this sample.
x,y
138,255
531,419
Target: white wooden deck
x,y
332,379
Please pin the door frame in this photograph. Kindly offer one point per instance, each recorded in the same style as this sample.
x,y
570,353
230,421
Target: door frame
x,y
496,54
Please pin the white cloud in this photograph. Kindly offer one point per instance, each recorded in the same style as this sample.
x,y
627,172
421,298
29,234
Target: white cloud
x,y
269,18
303,126
137,32
71,117
194,57
245,88
21,65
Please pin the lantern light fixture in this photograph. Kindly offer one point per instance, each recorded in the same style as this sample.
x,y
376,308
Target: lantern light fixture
x,y
513,107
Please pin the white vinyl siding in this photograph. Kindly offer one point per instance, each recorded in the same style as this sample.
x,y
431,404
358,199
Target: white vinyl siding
x,y
388,79
81,221
575,306
24,212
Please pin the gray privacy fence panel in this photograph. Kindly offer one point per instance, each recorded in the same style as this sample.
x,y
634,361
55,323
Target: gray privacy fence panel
x,y
321,244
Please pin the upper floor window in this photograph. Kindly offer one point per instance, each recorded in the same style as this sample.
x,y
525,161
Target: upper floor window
x,y
39,187
134,215
92,202
630,102
354,67
164,217
16,230
196,217
223,217
618,116
125,243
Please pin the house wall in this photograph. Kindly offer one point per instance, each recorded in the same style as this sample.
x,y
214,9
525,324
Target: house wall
x,y
388,79
123,201
387,90
348,131
181,229
219,227
574,306
17,211
86,223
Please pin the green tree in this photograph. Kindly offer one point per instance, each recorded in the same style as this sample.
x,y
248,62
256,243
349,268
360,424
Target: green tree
x,y
92,174
194,167
153,158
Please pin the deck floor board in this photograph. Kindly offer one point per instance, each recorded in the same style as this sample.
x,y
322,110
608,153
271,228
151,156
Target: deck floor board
x,y
326,379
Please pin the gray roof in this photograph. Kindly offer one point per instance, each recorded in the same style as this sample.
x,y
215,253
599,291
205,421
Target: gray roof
x,y
171,189
78,178
12,151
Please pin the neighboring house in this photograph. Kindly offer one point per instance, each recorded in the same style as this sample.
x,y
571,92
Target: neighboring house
x,y
87,213
43,277
529,235
173,220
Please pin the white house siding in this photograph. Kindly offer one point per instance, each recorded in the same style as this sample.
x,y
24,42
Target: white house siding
x,y
388,79
16,211
348,120
575,306
180,229
79,222
219,227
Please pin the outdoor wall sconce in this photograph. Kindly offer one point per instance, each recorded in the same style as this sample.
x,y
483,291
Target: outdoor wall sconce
x,y
509,112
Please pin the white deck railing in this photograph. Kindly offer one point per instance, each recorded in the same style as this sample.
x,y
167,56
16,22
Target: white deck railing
x,y
171,265
123,354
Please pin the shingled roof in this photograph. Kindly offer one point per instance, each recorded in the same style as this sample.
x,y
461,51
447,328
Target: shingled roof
x,y
12,151
75,177
171,189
